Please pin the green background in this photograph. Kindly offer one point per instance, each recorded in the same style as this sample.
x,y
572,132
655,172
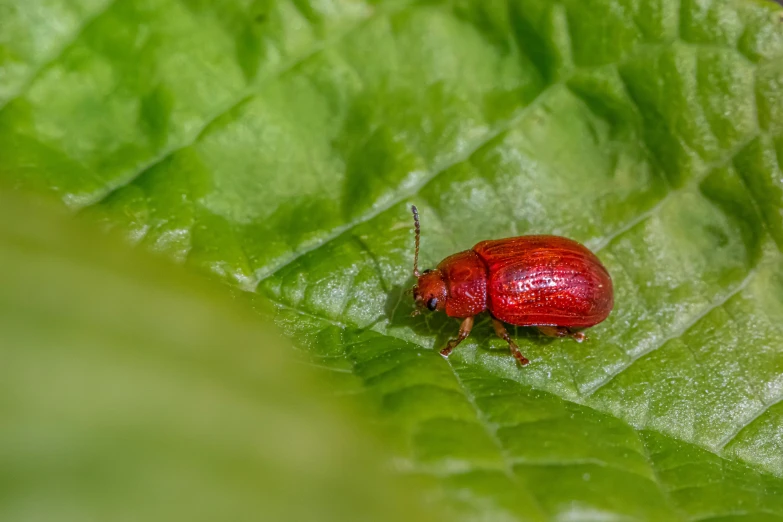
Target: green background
x,y
276,146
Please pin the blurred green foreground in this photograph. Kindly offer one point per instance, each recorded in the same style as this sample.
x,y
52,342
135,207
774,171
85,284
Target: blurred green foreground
x,y
130,391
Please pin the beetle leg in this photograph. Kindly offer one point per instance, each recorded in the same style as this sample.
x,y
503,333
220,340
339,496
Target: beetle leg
x,y
553,331
561,331
464,331
501,332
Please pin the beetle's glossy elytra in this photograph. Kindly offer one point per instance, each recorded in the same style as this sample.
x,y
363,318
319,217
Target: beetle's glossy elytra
x,y
550,282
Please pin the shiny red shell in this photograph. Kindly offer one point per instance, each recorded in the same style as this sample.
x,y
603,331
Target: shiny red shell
x,y
529,281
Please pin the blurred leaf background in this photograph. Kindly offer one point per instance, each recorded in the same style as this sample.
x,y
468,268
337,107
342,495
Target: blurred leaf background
x,y
275,146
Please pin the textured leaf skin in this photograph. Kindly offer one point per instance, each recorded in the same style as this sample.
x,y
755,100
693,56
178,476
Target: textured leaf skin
x,y
278,144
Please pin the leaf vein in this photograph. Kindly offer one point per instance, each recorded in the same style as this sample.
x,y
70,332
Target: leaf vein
x,y
446,165
761,411
58,55
680,332
242,97
491,432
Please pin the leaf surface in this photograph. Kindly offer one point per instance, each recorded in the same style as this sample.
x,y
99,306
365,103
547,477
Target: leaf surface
x,y
279,144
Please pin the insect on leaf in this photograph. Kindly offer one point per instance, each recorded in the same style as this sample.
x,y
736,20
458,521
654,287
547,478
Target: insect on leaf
x,y
278,146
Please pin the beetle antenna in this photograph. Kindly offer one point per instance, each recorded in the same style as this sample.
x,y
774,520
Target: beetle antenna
x,y
418,235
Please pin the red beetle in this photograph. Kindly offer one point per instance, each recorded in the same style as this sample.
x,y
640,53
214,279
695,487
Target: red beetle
x,y
550,282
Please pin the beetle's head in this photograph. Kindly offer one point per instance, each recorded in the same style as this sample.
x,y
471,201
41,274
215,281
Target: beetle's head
x,y
430,290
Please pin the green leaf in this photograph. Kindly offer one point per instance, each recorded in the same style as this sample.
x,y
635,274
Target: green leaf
x,y
277,145
132,391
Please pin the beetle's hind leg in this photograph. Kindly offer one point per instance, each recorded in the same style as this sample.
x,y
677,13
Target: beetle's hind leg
x,y
561,331
501,332
464,331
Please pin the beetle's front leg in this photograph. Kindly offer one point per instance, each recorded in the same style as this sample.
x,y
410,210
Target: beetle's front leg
x,y
464,331
501,332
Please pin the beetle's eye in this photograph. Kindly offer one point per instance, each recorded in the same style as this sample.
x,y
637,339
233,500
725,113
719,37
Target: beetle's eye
x,y
427,271
432,304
